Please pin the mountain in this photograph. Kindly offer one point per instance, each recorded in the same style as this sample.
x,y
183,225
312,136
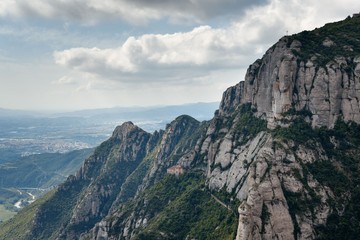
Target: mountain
x,y
279,160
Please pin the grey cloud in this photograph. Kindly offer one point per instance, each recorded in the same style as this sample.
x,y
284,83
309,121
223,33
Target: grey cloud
x,y
200,9
134,11
76,10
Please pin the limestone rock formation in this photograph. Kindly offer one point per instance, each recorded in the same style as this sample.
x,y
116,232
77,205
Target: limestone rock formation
x,y
284,79
279,160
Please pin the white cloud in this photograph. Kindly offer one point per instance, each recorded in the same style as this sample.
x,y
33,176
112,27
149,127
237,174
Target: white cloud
x,y
187,56
158,56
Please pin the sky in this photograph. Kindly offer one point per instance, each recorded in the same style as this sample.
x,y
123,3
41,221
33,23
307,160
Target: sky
x,y
79,54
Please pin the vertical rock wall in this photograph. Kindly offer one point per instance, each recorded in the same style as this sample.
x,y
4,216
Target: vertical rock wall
x,y
281,81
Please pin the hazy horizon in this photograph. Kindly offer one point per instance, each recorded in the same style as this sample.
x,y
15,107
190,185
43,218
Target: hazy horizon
x,y
53,111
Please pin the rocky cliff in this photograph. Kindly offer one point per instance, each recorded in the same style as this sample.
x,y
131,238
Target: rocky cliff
x,y
318,71
309,78
279,160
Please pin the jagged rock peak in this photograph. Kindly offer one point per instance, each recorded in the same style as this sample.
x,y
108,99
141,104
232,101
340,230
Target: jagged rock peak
x,y
124,129
180,127
180,124
231,98
317,71
185,118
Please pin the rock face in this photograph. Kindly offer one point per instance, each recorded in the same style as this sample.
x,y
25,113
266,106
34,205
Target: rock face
x,y
261,173
263,159
282,80
117,165
175,145
266,171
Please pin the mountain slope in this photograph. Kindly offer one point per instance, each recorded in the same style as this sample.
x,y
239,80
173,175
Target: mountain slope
x,y
279,160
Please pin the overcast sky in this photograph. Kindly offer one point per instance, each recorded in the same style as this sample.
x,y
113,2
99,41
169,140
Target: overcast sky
x,y
76,54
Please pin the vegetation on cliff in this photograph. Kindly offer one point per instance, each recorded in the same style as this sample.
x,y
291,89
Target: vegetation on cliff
x,y
327,42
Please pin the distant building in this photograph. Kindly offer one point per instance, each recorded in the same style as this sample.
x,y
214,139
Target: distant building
x,y
175,170
356,15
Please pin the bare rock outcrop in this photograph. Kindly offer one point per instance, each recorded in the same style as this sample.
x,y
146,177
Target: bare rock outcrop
x,y
282,80
262,174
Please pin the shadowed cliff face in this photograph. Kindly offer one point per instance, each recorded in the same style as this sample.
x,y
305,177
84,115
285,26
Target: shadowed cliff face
x,y
279,160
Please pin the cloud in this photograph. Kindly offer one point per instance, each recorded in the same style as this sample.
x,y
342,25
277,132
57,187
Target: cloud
x,y
84,11
187,56
133,11
157,56
199,9
183,55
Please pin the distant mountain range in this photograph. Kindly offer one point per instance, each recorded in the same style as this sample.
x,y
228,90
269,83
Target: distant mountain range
x,y
25,133
200,111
